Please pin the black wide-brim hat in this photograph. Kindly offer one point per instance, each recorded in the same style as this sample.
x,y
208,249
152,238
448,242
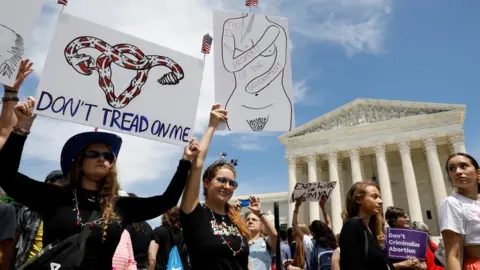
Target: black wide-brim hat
x,y
77,143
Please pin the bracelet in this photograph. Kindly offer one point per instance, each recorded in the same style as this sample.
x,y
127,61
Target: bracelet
x,y
11,91
5,99
20,131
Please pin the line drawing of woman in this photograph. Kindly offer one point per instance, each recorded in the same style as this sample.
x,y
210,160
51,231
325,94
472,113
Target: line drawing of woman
x,y
254,49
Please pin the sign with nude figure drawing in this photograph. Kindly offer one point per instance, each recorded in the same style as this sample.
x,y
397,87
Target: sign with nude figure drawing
x,y
253,77
17,21
103,78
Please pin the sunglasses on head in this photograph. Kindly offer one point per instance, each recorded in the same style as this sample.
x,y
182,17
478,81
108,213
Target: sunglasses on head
x,y
224,180
95,154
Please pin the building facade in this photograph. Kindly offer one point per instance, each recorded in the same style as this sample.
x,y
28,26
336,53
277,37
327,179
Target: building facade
x,y
402,145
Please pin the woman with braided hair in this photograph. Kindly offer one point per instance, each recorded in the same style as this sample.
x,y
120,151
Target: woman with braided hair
x,y
215,233
89,198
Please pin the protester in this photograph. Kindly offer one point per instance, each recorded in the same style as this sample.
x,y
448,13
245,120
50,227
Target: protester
x,y
361,237
303,233
7,231
285,252
215,233
397,218
291,241
8,118
324,245
30,226
458,214
261,248
89,162
164,238
140,234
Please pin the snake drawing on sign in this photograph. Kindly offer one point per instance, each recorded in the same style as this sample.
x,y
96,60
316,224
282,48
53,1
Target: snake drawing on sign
x,y
254,49
11,51
123,55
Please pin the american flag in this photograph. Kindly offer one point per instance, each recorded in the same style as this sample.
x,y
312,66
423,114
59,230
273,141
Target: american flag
x,y
206,44
250,3
62,2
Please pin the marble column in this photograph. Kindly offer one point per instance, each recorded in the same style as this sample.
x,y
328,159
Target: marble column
x,y
458,142
436,175
314,207
383,176
292,180
410,182
355,162
335,198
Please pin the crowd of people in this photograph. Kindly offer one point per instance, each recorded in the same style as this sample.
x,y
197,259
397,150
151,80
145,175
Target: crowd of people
x,y
80,218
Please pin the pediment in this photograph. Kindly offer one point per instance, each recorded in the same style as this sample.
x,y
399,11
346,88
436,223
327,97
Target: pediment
x,y
369,111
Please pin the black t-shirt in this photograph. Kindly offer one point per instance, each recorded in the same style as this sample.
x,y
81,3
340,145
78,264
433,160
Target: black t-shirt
x,y
140,242
203,232
167,237
56,205
352,248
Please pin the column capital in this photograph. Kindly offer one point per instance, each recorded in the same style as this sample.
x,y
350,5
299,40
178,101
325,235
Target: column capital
x,y
332,155
380,148
457,137
354,152
404,147
430,142
291,161
312,159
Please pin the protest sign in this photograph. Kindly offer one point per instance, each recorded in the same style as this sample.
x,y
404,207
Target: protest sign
x,y
312,192
107,79
406,243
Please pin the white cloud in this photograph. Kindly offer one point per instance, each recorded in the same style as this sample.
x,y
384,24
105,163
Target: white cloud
x,y
249,143
299,91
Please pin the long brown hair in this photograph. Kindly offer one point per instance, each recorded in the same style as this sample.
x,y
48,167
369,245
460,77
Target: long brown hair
x,y
234,216
107,194
352,209
299,259
172,217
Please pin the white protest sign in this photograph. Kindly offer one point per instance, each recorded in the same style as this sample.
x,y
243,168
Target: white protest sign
x,y
103,78
253,76
312,192
17,21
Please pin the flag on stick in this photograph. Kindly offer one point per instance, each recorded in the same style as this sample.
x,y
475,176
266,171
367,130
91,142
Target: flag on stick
x,y
96,129
62,2
206,44
250,3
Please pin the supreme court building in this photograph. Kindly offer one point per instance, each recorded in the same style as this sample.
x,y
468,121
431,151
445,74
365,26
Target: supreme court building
x,y
402,145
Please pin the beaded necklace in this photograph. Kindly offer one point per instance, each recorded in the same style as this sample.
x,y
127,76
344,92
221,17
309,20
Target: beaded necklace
x,y
79,218
225,242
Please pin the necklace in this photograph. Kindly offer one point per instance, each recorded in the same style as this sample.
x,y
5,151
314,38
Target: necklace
x,y
79,218
225,242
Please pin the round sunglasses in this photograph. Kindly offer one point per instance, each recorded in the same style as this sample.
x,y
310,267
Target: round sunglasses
x,y
110,157
224,180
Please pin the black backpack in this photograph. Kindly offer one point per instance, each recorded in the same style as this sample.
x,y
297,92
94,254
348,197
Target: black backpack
x,y
176,239
67,254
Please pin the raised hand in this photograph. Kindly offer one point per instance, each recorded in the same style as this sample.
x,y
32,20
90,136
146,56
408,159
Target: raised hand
x,y
25,70
192,150
255,205
24,113
217,115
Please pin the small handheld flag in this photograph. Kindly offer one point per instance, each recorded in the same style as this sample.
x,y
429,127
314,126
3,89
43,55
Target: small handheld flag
x,y
206,44
62,2
250,3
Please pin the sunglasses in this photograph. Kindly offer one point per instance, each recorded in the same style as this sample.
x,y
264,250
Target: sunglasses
x,y
95,154
224,180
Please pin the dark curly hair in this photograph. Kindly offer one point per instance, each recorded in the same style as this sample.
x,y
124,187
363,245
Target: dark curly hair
x,y
172,217
323,235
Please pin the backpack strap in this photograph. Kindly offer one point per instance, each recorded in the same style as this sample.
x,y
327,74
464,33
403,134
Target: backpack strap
x,y
86,229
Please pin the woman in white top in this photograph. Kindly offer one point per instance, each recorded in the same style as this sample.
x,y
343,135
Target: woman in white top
x,y
459,214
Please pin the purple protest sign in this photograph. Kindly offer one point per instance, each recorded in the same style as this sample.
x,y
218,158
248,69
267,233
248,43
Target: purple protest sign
x,y
406,243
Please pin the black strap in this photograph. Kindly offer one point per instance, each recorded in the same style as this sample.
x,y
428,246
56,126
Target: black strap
x,y
86,230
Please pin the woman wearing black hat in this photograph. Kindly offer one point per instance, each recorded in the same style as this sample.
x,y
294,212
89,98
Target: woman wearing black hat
x,y
88,160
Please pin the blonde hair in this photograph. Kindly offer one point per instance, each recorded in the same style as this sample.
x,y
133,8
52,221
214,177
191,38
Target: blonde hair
x,y
352,209
107,194
234,216
304,228
299,259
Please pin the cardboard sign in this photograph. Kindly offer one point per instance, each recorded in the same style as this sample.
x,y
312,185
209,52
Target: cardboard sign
x,y
406,243
312,192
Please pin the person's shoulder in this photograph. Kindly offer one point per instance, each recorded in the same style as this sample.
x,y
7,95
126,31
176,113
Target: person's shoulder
x,y
451,201
354,221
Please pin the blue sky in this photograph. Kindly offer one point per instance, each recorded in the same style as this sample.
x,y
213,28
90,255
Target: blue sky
x,y
402,50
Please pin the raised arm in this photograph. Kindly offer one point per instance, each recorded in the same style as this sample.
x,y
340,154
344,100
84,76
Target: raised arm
x,y
269,226
234,64
326,217
141,209
191,195
8,118
295,226
36,195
